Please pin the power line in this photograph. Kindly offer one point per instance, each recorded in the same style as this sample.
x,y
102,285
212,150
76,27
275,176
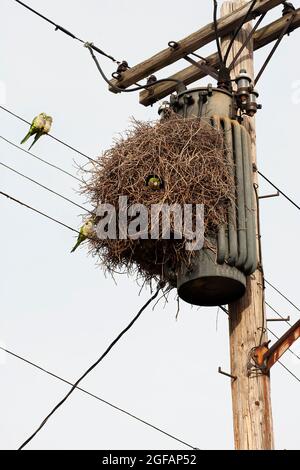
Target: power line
x,y
289,371
277,337
96,397
41,159
277,313
92,366
44,187
129,90
282,295
279,190
238,29
289,349
38,212
65,31
50,135
215,17
74,230
95,161
91,47
246,42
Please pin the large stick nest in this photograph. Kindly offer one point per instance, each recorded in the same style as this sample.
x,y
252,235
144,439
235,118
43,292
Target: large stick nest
x,y
189,157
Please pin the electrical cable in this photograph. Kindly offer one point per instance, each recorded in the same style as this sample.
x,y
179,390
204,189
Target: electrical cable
x,y
38,211
91,47
289,349
215,18
289,371
64,30
283,32
45,187
246,42
95,161
50,135
238,29
42,369
129,90
282,295
279,190
92,367
76,231
41,159
279,314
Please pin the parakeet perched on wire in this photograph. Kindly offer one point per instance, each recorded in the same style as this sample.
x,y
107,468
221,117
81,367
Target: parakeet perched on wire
x,y
154,182
40,125
87,231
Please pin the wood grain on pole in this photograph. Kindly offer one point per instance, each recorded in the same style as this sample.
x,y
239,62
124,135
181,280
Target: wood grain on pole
x,y
190,74
189,44
251,402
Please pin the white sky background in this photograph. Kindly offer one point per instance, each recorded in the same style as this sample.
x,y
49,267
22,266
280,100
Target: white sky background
x,y
58,309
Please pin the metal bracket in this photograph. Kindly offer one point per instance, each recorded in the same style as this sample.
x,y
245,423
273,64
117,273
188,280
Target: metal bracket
x,y
279,319
220,371
264,358
270,195
207,69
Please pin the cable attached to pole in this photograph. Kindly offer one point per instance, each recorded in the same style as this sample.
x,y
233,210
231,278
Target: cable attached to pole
x,y
215,17
238,29
181,85
160,286
96,397
65,31
282,34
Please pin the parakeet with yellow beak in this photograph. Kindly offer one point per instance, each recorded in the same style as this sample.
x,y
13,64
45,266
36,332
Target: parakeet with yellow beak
x,y
87,231
40,125
154,182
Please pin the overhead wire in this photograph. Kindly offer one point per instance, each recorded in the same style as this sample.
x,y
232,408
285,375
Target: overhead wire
x,y
279,190
215,19
45,187
65,31
282,295
246,42
92,47
27,206
102,400
238,29
279,314
74,385
95,161
128,90
112,344
50,135
289,371
41,159
290,350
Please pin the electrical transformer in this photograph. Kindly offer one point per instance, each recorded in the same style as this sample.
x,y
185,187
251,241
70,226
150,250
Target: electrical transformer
x,y
218,276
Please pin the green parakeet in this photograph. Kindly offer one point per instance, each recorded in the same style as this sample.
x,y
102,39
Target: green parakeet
x,y
40,125
154,182
87,231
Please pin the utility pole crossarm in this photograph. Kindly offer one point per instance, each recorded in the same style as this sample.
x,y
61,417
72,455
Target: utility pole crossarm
x,y
191,43
265,358
261,38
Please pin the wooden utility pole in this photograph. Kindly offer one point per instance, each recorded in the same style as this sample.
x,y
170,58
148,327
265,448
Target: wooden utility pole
x,y
251,402
252,415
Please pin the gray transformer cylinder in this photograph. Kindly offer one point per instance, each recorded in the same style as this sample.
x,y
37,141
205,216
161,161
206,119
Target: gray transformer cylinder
x,y
218,276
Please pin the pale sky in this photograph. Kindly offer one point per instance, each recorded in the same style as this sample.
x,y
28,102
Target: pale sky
x,y
58,309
